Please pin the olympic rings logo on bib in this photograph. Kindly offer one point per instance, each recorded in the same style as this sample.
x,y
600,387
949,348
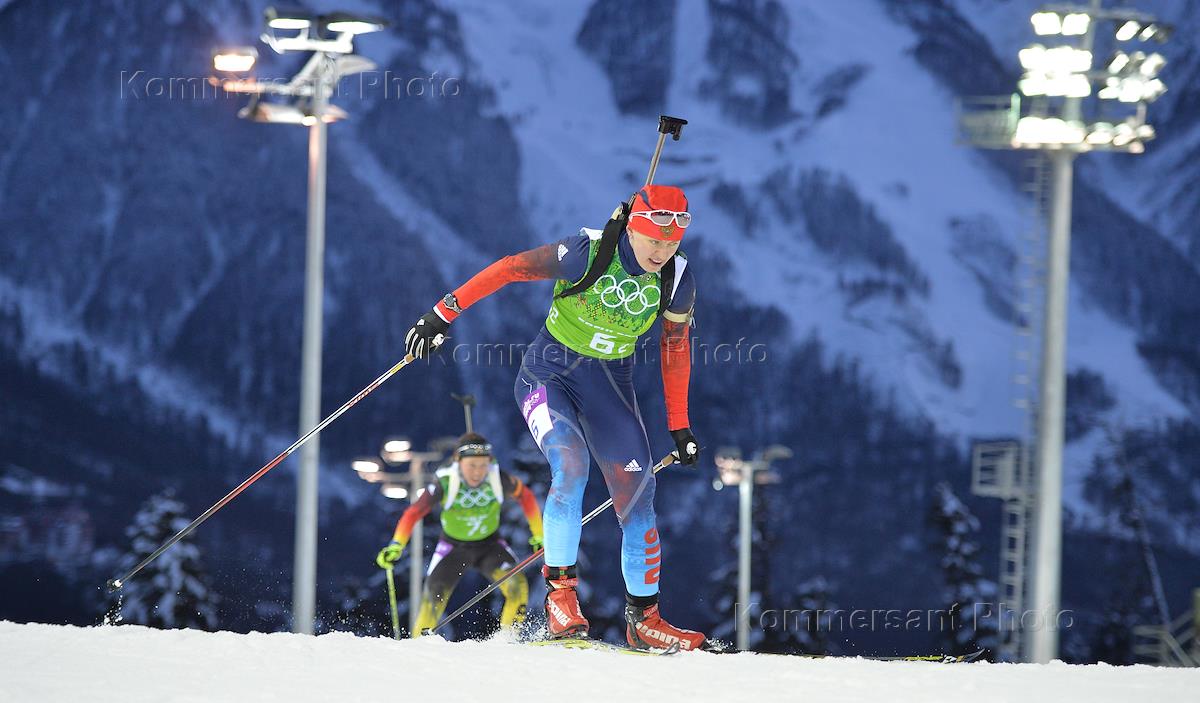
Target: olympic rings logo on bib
x,y
628,294
474,498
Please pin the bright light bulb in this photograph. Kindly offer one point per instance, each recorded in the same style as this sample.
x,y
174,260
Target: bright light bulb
x,y
235,60
1075,24
1045,23
397,445
1102,133
1031,56
1077,85
1128,30
396,492
1067,59
365,466
1132,90
353,26
1152,65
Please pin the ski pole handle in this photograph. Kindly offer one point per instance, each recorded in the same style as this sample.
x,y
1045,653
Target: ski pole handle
x,y
665,462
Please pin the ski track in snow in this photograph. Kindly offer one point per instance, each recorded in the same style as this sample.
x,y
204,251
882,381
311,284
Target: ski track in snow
x,y
132,664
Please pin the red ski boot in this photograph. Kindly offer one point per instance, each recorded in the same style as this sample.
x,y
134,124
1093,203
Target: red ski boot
x,y
563,616
645,628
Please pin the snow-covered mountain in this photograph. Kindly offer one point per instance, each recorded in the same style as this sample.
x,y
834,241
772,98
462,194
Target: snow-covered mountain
x,y
858,269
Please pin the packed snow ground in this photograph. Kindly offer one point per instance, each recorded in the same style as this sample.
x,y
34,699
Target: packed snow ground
x,y
133,664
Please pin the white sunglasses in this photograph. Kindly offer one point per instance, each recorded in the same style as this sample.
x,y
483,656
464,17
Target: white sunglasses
x,y
662,218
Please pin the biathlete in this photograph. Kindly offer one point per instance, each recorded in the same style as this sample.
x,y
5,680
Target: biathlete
x,y
470,492
575,390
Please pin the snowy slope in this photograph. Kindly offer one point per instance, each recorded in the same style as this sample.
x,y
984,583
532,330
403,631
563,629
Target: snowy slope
x,y
132,664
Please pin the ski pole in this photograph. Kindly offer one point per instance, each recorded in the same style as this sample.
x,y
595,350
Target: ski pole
x,y
666,461
114,584
391,579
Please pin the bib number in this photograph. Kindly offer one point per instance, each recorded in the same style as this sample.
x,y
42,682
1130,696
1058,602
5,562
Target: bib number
x,y
603,343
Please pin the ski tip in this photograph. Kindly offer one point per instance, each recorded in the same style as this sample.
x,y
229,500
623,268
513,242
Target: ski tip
x,y
115,585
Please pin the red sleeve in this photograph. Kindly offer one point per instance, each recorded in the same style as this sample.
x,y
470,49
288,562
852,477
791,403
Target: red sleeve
x,y
517,489
415,512
676,360
532,265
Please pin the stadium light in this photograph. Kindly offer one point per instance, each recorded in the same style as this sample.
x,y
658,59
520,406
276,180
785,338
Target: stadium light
x,y
287,19
1152,64
1128,30
397,450
341,22
309,92
735,471
1075,24
1046,23
238,59
394,491
366,465
1055,123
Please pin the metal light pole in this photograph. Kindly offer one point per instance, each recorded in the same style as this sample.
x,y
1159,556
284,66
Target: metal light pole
x,y
398,451
745,506
330,39
733,470
304,577
1047,518
416,553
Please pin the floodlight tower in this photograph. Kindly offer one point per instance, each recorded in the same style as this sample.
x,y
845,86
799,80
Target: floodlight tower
x,y
1057,88
330,39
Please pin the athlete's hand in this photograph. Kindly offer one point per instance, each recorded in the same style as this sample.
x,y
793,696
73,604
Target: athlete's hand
x,y
685,442
389,555
426,336
536,542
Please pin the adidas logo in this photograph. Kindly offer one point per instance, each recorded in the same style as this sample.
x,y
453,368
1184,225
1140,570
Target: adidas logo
x,y
633,465
562,251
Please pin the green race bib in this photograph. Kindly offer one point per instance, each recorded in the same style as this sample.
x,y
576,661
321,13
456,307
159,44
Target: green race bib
x,y
605,321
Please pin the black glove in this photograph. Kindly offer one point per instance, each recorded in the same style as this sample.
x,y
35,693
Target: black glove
x,y
424,338
685,442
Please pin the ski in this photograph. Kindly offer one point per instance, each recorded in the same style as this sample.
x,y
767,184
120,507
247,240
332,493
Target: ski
x,y
585,643
719,647
936,658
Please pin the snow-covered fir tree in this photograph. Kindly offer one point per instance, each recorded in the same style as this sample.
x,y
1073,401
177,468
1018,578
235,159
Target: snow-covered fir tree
x,y
722,625
806,621
173,590
969,628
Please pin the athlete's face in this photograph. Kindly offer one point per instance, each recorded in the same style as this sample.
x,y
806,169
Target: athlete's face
x,y
652,254
474,469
